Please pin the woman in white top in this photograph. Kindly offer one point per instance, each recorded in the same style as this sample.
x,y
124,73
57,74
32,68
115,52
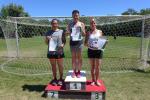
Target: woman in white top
x,y
94,54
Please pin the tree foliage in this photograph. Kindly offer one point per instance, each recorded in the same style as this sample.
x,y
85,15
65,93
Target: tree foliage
x,y
131,11
13,10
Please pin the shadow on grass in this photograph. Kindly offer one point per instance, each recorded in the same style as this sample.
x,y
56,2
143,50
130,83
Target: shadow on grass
x,y
35,88
148,62
143,71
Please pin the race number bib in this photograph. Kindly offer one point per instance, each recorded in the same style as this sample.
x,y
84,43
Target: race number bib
x,y
76,34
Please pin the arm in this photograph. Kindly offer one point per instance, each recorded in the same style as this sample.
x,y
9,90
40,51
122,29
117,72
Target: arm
x,y
86,39
47,38
101,33
83,29
67,30
63,39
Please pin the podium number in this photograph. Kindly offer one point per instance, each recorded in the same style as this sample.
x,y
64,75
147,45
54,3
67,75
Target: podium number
x,y
96,96
75,86
53,94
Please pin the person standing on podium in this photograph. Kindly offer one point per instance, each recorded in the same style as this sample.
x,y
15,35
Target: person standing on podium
x,y
94,54
55,39
76,31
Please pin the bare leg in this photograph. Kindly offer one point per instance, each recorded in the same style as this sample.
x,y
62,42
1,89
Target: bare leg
x,y
97,69
92,64
73,60
60,66
79,60
54,70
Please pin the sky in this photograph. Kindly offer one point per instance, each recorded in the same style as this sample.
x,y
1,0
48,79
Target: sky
x,y
86,7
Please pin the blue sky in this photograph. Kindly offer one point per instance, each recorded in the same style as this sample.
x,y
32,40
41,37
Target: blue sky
x,y
86,7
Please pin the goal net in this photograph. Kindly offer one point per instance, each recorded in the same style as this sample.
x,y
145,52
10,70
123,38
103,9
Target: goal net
x,y
128,48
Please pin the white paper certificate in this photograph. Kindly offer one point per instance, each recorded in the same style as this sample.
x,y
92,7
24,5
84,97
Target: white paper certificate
x,y
98,43
76,34
52,44
101,43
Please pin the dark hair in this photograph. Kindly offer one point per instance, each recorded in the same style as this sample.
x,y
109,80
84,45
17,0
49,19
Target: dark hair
x,y
54,20
75,11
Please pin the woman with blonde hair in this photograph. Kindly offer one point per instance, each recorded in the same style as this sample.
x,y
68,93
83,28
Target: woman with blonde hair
x,y
94,54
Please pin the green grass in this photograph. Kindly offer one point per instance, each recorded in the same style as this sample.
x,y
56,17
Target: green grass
x,y
123,47
120,55
3,47
125,86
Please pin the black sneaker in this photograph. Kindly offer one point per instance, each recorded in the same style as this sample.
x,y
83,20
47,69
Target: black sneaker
x,y
60,82
54,82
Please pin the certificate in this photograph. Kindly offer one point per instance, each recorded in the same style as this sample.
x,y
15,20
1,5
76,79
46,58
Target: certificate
x,y
101,43
98,44
76,34
53,44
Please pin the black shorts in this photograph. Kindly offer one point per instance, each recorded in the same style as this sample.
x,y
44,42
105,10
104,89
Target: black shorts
x,y
95,53
55,55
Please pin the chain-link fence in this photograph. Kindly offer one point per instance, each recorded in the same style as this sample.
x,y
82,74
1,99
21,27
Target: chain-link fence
x,y
128,37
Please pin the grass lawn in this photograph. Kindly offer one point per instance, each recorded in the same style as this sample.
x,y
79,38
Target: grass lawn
x,y
123,86
121,54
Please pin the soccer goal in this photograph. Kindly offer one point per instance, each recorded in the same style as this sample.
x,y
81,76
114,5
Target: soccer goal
x,y
128,48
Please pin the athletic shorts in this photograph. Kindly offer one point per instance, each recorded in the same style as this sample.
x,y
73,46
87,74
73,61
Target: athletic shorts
x,y
76,46
55,55
95,53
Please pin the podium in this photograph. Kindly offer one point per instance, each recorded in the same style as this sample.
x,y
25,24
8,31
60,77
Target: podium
x,y
75,83
77,88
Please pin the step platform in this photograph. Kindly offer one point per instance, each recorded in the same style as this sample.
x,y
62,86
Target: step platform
x,y
90,92
75,83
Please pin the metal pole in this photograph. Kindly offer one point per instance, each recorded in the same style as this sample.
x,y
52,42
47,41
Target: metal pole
x,y
142,38
17,38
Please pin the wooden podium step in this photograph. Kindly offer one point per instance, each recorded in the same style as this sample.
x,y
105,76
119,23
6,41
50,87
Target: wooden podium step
x,y
90,92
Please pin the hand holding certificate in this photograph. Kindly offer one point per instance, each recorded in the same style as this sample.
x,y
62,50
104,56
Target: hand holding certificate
x,y
98,44
53,44
76,34
102,43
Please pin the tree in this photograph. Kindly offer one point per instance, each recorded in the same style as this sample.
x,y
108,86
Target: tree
x,y
13,10
145,11
130,11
